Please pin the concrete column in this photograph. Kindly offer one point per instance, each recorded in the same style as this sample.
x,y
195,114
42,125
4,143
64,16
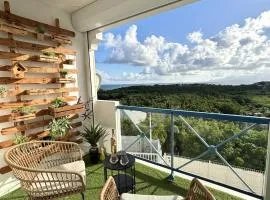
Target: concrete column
x,y
267,170
93,39
108,116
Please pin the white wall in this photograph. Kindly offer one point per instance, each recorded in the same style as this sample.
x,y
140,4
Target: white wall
x,y
42,12
108,116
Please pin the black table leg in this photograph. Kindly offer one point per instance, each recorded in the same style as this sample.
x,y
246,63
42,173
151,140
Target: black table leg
x,y
105,174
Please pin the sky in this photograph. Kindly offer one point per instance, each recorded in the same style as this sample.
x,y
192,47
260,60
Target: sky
x,y
210,41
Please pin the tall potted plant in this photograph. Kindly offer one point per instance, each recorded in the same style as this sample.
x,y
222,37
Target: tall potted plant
x,y
92,135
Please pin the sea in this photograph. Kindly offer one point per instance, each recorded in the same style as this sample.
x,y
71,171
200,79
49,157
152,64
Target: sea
x,y
116,86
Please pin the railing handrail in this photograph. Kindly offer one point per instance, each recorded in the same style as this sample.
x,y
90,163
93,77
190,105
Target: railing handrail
x,y
216,116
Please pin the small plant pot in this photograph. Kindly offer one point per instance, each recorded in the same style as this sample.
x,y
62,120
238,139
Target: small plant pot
x,y
94,155
63,75
47,138
40,36
69,62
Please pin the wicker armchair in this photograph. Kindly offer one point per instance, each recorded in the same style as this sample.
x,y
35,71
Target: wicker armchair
x,y
48,169
196,192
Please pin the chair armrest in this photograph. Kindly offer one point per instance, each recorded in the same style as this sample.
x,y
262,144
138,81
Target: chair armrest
x,y
198,190
109,190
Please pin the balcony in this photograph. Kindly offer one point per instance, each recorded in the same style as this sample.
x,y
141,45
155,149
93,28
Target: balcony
x,y
149,181
156,166
155,162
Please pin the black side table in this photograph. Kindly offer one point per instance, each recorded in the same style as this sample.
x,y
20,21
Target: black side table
x,y
124,176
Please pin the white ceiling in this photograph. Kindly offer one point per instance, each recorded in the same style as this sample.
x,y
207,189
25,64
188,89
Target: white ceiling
x,y
102,15
68,5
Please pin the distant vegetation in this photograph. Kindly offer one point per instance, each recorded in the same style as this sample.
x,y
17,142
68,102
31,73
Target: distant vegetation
x,y
244,99
247,151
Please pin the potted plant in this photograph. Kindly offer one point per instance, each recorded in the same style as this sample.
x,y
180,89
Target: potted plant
x,y
58,103
49,53
3,92
58,128
40,32
63,73
60,108
69,62
19,139
23,113
92,135
47,56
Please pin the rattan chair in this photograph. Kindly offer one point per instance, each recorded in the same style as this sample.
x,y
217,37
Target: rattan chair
x,y
109,191
48,169
196,192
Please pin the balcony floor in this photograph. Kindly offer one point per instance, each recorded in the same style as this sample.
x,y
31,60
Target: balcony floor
x,y
148,181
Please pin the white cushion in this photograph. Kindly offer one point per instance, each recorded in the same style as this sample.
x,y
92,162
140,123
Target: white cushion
x,y
127,196
77,166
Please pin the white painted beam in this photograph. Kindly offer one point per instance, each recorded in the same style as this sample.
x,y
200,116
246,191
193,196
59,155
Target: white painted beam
x,y
106,14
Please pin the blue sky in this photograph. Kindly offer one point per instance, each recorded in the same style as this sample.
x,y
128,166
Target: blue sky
x,y
205,19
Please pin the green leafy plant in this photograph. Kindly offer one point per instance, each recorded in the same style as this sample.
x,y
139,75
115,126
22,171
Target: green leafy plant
x,y
24,110
2,90
59,127
49,53
21,139
41,29
58,103
93,134
63,72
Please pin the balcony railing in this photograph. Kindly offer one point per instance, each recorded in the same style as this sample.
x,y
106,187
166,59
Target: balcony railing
x,y
147,151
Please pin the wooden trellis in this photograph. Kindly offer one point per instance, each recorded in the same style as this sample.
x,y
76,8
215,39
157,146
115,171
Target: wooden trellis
x,y
54,40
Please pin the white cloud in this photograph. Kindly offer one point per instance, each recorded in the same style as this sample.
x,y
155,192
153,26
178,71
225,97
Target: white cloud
x,y
237,49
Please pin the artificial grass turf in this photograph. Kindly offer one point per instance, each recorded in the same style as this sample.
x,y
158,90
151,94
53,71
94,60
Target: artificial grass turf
x,y
148,181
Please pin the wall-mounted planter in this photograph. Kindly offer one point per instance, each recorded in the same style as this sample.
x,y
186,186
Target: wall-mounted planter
x,y
3,95
44,58
65,80
40,36
21,117
66,110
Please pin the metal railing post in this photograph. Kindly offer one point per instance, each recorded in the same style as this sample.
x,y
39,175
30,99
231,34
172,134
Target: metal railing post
x,y
266,189
150,126
150,129
171,176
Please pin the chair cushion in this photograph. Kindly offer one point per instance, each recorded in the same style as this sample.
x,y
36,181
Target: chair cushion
x,y
47,187
77,166
127,196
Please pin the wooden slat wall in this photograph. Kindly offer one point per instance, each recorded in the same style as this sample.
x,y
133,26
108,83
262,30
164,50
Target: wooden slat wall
x,y
56,40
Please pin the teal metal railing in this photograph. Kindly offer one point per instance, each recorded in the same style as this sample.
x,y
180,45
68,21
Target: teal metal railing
x,y
210,148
